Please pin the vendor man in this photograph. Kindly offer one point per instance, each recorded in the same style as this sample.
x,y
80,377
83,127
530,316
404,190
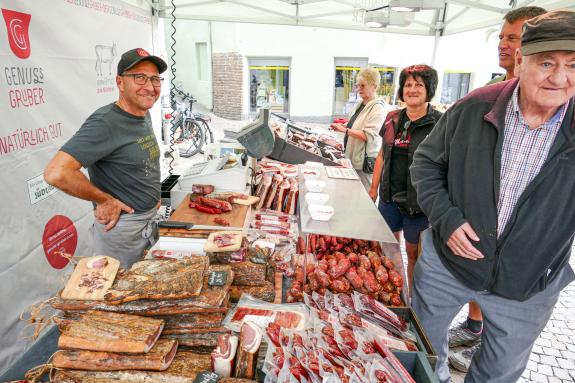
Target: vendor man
x,y
118,146
495,178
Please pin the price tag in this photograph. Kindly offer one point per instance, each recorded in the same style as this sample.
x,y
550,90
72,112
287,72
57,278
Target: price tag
x,y
217,278
207,377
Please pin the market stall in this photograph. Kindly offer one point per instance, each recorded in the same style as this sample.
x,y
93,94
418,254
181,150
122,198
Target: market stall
x,y
294,276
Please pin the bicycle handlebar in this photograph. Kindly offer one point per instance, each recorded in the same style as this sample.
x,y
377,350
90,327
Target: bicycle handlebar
x,y
185,95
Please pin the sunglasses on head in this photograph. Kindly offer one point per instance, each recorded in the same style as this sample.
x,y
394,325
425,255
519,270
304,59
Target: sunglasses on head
x,y
404,130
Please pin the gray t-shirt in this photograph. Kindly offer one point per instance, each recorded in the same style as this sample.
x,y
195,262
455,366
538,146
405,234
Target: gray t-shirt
x,y
122,155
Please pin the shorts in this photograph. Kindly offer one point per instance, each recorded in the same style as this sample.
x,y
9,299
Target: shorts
x,y
412,225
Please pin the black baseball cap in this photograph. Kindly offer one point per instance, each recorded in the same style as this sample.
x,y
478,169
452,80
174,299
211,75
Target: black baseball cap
x,y
551,31
137,55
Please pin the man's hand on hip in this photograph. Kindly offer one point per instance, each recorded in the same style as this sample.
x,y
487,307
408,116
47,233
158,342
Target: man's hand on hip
x,y
108,212
460,243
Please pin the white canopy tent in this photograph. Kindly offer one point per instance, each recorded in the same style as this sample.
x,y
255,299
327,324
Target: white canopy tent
x,y
444,16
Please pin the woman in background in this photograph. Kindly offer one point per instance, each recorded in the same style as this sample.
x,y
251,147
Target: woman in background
x,y
362,141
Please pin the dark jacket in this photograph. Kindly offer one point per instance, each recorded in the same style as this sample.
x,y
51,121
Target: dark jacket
x,y
456,172
419,130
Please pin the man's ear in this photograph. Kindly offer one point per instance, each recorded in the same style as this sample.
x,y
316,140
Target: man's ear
x,y
518,61
120,83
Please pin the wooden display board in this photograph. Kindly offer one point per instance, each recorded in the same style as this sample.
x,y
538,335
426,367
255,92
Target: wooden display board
x,y
184,213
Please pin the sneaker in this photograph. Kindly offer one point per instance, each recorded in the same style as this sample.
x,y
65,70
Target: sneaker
x,y
461,360
460,335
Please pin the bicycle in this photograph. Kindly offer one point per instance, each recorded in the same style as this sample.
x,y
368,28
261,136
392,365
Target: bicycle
x,y
191,129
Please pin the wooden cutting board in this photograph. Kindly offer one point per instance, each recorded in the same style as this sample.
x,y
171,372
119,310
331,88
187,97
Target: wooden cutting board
x,y
74,291
237,218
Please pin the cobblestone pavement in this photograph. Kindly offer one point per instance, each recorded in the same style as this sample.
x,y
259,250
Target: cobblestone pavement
x,y
552,359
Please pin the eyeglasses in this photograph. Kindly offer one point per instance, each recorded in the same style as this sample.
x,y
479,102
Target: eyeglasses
x,y
405,129
142,79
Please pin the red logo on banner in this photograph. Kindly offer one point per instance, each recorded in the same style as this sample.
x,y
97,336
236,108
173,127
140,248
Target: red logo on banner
x,y
60,236
142,53
17,25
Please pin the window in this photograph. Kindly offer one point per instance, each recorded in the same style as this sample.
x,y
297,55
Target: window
x,y
202,60
455,86
387,83
345,94
269,84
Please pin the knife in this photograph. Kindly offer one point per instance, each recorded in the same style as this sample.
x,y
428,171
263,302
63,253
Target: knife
x,y
176,225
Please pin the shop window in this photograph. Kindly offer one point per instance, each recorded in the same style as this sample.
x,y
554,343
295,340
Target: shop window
x,y
202,60
269,85
455,86
387,83
345,92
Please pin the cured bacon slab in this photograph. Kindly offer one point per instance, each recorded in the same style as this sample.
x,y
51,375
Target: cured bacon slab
x,y
277,181
111,332
158,358
249,273
264,190
191,321
205,339
184,369
213,299
265,292
291,201
159,279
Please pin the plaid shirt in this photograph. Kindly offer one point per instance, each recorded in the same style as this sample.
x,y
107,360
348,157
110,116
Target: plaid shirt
x,y
523,154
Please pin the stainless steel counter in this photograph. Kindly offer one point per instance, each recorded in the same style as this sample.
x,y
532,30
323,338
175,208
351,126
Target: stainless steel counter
x,y
356,216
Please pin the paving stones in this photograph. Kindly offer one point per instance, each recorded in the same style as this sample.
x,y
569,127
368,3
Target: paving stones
x,y
552,358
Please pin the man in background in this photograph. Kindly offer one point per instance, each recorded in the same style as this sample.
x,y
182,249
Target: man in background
x,y
510,39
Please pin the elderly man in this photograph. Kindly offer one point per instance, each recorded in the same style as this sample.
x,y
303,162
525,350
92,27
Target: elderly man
x,y
468,333
118,146
495,178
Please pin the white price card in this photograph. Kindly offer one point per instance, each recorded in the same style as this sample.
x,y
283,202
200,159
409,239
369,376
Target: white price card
x,y
344,173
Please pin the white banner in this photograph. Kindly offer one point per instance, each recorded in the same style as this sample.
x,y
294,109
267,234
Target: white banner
x,y
58,62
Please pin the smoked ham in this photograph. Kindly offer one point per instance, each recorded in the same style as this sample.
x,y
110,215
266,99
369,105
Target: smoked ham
x,y
111,332
250,341
224,355
158,358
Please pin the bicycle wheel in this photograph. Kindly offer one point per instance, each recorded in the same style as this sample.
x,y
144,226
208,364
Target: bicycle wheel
x,y
193,138
207,129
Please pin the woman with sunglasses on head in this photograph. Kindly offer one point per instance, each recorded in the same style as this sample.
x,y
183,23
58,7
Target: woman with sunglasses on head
x,y
402,131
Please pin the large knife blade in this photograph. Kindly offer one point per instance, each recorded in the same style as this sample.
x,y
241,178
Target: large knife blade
x,y
176,225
